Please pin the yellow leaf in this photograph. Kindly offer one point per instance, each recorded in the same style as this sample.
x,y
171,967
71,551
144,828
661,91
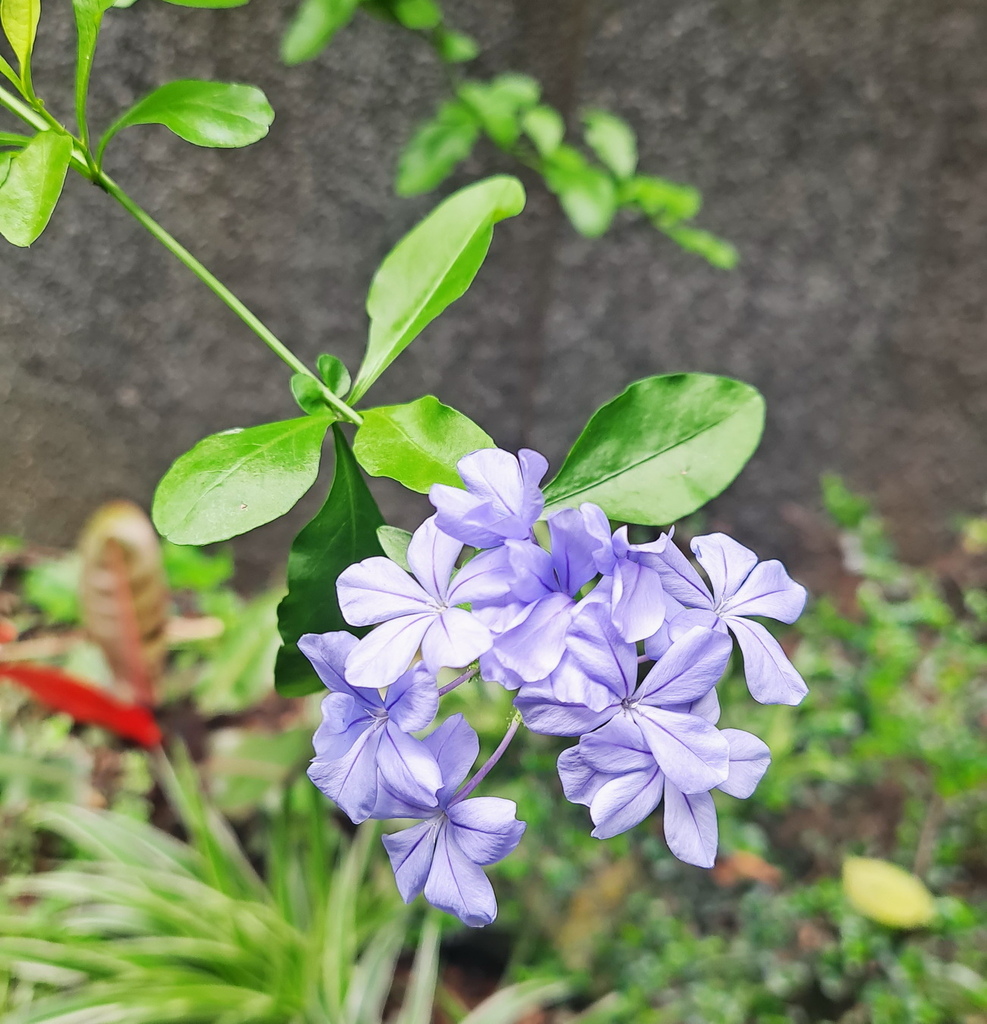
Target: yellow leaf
x,y
886,893
20,25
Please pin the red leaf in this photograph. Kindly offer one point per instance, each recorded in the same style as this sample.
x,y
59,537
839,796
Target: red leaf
x,y
85,703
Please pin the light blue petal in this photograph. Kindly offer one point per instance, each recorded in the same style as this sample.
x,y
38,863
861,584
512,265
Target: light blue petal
x,y
455,746
378,589
432,556
625,801
351,780
411,853
485,828
413,700
688,670
456,885
690,826
408,767
771,677
749,760
727,563
691,751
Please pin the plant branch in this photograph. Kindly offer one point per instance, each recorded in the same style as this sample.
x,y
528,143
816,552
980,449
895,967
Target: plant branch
x,y
222,292
490,762
81,160
459,680
8,72
23,110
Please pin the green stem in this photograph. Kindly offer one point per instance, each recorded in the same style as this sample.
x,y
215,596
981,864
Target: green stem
x,y
222,292
9,73
10,139
43,122
22,110
81,160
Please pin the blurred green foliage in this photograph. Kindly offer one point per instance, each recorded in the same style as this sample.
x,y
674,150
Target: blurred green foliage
x,y
886,758
594,178
141,928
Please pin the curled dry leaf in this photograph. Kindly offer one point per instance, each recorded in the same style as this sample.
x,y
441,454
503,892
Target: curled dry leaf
x,y
124,595
745,866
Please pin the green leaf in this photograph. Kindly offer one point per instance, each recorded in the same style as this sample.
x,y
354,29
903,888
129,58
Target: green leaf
x,y
660,198
394,542
88,18
343,532
436,148
382,9
417,444
213,4
417,14
455,47
716,251
516,1002
213,114
313,26
53,586
307,393
500,103
419,998
334,374
233,482
587,194
240,666
32,186
612,140
191,568
662,449
20,25
5,161
545,127
845,508
430,268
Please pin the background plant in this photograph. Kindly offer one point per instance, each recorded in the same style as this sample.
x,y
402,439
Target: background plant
x,y
885,759
770,934
593,183
159,930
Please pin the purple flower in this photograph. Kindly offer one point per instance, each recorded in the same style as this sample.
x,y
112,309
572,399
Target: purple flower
x,y
529,639
363,740
502,499
597,671
530,630
419,610
741,586
649,716
443,855
631,576
619,800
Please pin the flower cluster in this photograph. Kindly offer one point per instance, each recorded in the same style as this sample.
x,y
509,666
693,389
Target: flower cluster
x,y
617,644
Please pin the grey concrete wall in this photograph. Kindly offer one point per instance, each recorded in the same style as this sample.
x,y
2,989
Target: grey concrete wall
x,y
842,146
